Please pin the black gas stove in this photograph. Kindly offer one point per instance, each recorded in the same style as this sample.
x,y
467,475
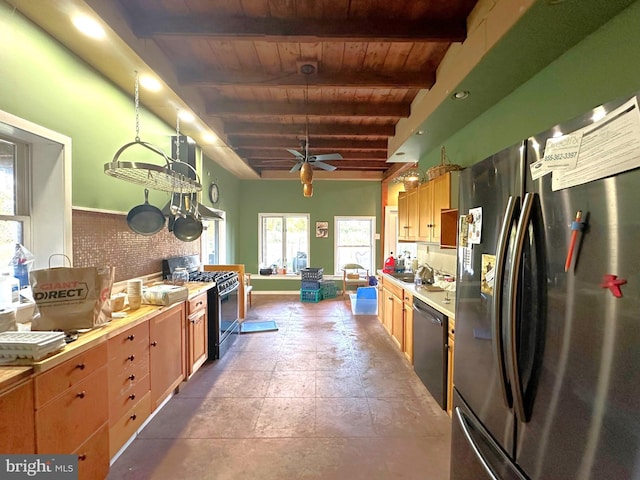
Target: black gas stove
x,y
222,300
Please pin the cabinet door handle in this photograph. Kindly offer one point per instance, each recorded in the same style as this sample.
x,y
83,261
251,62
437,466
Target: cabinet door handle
x,y
134,416
81,394
131,357
132,377
131,337
154,344
132,396
82,457
80,366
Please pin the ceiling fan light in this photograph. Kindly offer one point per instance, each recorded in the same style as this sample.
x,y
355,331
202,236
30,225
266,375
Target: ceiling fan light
x,y
306,173
307,190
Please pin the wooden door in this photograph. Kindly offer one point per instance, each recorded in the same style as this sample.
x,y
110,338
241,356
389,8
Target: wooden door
x,y
412,214
408,327
197,340
441,201
403,217
17,428
425,194
397,322
167,340
387,318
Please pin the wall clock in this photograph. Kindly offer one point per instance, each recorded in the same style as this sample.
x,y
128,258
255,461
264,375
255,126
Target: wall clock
x,y
214,193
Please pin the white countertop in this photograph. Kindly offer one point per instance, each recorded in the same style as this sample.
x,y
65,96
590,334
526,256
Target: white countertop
x,y
434,299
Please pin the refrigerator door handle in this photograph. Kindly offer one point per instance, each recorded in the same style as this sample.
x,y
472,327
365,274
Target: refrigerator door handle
x,y
496,313
462,421
516,262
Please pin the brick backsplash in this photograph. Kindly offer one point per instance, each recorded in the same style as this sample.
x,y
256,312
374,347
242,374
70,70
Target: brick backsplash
x,y
104,239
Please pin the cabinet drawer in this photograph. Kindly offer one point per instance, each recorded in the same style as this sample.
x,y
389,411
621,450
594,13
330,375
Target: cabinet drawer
x,y
199,302
134,341
93,460
408,297
393,288
128,424
55,381
126,396
66,422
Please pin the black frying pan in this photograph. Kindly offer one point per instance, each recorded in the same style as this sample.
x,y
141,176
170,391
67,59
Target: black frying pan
x,y
145,219
187,227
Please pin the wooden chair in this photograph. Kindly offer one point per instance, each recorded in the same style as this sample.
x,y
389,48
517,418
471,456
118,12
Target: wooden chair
x,y
354,274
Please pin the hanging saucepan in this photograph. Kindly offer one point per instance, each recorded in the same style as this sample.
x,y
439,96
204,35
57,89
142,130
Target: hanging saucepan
x,y
145,219
187,228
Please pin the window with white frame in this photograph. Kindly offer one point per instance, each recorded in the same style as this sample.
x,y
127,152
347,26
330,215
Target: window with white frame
x,y
355,242
284,240
14,196
213,240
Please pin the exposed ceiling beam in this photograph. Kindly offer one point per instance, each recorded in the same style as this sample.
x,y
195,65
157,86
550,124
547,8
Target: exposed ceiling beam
x,y
239,142
275,155
342,164
343,109
236,28
319,130
209,77
324,175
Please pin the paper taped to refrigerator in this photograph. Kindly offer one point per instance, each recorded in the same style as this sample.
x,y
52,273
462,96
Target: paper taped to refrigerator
x,y
609,146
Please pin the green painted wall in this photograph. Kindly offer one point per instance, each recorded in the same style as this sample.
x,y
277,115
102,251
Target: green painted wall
x,y
44,83
330,198
602,67
229,201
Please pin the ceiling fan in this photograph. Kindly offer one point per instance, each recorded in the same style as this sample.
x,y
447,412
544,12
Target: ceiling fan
x,y
303,156
313,160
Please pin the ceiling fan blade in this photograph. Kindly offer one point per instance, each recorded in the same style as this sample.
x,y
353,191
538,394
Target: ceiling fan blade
x,y
325,157
296,167
324,166
295,153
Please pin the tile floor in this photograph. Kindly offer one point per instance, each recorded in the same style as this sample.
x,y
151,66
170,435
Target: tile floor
x,y
327,396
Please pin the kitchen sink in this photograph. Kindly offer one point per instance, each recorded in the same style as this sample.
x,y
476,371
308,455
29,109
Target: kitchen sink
x,y
404,277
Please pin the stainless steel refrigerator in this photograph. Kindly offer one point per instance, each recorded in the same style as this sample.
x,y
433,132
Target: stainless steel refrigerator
x,y
547,361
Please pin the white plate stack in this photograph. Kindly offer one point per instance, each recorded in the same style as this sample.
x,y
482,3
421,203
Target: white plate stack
x,y
134,293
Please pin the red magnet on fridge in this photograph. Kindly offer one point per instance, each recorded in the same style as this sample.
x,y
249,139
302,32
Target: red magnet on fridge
x,y
612,282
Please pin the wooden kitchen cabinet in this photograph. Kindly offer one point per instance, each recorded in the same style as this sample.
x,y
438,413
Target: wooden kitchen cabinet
x,y
434,196
167,357
17,429
72,407
393,315
129,384
408,215
408,326
197,342
450,355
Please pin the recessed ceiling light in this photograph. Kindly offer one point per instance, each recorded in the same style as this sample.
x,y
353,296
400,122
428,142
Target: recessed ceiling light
x,y
186,116
399,154
150,83
461,94
420,132
210,138
89,26
598,113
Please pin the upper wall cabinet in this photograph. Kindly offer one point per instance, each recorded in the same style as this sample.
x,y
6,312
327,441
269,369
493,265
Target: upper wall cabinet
x,y
408,216
426,204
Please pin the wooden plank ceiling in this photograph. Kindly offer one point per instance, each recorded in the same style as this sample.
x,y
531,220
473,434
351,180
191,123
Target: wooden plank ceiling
x,y
246,57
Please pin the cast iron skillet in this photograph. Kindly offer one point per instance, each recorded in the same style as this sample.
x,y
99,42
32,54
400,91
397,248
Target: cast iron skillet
x,y
145,219
187,228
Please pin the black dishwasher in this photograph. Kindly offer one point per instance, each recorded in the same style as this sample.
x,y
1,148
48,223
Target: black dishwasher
x,y
430,337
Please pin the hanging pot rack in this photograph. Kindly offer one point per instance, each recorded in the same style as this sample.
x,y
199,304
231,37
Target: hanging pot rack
x,y
156,177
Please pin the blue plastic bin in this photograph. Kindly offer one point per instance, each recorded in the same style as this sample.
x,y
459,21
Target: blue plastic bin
x,y
364,301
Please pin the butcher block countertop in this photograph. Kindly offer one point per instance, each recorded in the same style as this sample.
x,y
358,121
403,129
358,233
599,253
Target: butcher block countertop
x,y
23,369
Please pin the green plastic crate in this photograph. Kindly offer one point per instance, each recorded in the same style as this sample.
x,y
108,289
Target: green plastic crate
x,y
310,296
328,289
